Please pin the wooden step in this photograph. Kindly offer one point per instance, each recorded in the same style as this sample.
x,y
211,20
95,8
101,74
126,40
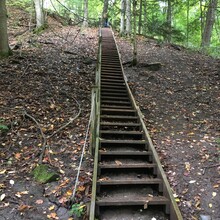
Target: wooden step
x,y
116,102
116,107
130,181
114,94
145,201
112,98
125,152
114,90
125,112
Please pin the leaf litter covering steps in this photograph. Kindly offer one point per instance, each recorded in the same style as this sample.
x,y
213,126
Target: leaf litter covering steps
x,y
128,181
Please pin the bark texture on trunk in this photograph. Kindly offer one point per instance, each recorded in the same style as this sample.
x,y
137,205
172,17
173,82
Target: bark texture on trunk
x,y
134,61
85,17
169,21
145,18
122,24
210,20
128,17
38,4
4,47
105,12
140,18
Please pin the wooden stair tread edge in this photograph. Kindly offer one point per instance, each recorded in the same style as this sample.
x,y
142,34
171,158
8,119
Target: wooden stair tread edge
x,y
129,182
125,153
143,141
155,200
128,166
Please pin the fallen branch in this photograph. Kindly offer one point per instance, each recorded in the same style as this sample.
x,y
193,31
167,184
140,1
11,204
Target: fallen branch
x,y
214,165
38,125
210,166
45,138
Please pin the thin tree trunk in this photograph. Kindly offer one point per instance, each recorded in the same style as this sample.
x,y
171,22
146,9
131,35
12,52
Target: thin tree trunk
x,y
201,17
105,11
140,18
85,17
122,24
145,18
210,20
169,21
134,62
128,17
38,4
4,47
187,24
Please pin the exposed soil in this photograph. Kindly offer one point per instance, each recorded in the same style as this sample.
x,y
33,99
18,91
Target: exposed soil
x,y
47,82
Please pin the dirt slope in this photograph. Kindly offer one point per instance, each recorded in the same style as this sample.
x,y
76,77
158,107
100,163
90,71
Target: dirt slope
x,y
181,106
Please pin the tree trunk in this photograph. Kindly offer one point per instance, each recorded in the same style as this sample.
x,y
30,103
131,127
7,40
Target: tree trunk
x,y
4,47
201,18
134,61
187,24
169,21
38,4
105,12
122,24
128,17
140,18
210,20
145,18
85,17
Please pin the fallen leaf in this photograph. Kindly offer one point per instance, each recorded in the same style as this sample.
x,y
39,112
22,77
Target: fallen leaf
x,y
192,181
19,194
197,205
185,191
39,201
214,194
146,204
104,179
24,207
2,197
119,163
52,215
12,182
187,166
51,207
2,186
81,188
216,186
2,171
177,199
18,156
62,171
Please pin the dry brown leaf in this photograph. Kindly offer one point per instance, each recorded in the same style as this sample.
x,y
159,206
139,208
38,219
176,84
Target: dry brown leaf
x,y
104,179
18,156
39,201
81,188
24,207
216,186
119,163
52,215
2,186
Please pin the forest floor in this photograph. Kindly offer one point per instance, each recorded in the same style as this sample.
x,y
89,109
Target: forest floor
x,y
47,83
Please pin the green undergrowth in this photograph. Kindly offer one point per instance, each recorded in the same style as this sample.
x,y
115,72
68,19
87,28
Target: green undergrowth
x,y
77,210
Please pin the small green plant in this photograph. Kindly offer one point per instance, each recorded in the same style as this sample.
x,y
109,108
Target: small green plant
x,y
4,128
77,210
